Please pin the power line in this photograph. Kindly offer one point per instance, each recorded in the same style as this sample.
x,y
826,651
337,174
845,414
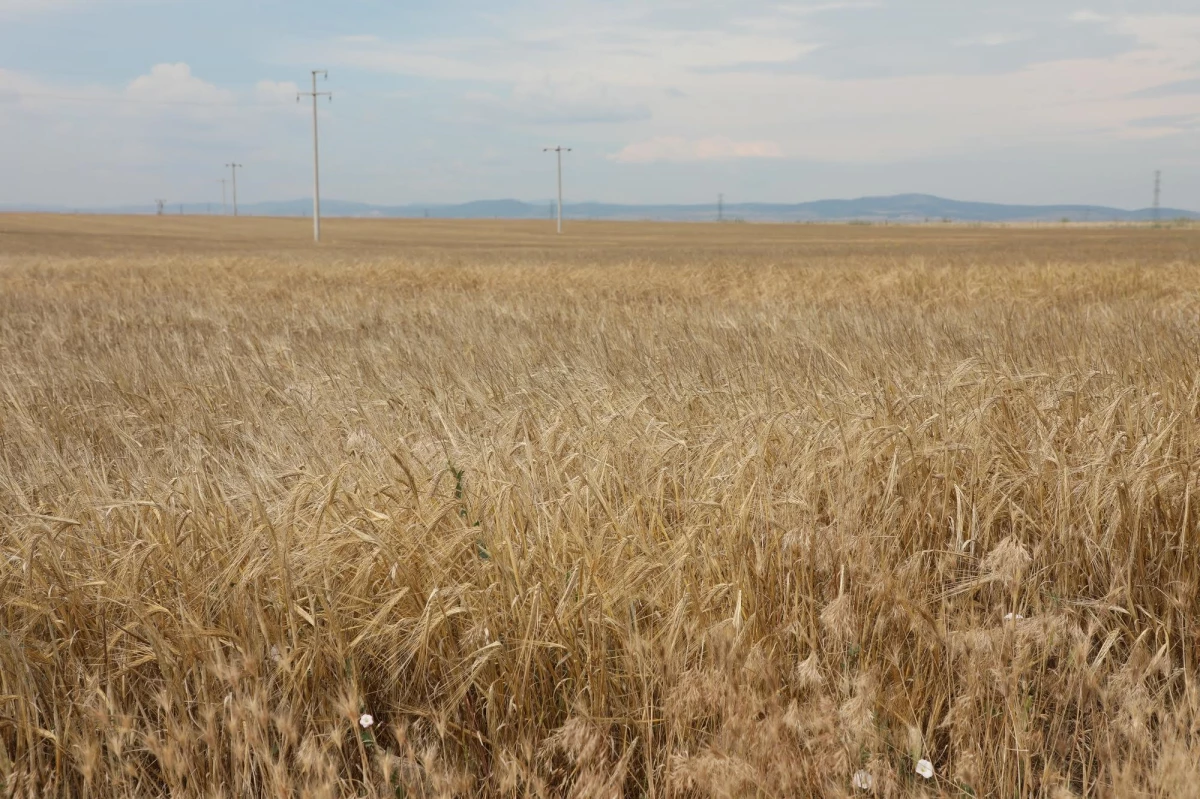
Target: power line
x,y
316,150
559,150
235,167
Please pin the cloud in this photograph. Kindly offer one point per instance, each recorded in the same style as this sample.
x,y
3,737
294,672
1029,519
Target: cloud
x,y
613,43
1175,123
990,40
164,133
678,149
175,83
13,8
546,103
1168,39
270,91
822,8
17,9
669,81
761,71
1174,89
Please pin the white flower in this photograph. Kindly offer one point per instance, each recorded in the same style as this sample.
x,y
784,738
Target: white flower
x,y
925,769
275,656
863,780
1013,617
365,721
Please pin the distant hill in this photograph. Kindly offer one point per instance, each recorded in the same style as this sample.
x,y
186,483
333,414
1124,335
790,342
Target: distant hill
x,y
899,208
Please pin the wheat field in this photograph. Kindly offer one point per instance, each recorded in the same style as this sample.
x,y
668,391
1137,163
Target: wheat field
x,y
450,509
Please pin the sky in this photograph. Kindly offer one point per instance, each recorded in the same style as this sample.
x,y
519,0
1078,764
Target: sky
x,y
112,102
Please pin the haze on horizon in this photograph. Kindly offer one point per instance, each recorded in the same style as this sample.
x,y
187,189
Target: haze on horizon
x,y
111,102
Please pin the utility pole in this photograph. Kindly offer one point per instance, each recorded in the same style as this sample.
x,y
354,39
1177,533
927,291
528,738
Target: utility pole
x,y
224,205
558,151
314,94
720,207
161,204
1157,195
235,168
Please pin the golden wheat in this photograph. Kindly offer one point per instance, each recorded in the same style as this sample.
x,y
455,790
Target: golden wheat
x,y
633,515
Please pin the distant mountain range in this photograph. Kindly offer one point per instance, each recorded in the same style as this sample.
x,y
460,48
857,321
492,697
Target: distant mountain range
x,y
899,208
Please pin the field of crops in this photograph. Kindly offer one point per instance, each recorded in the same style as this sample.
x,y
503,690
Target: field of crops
x,y
467,509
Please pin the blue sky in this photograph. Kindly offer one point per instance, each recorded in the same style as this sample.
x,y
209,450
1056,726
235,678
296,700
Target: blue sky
x,y
1039,101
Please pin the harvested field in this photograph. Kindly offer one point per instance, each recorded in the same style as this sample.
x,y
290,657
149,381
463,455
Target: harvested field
x,y
644,510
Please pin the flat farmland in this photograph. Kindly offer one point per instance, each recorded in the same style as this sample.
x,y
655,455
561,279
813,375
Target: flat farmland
x,y
449,508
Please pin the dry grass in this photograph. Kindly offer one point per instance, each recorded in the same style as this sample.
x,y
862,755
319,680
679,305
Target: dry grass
x,y
660,512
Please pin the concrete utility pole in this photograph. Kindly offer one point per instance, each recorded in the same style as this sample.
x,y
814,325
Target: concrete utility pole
x,y
161,204
559,151
224,205
314,94
235,168
1157,196
720,207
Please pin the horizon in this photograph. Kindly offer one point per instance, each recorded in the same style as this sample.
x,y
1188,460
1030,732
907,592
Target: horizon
x,y
118,102
303,204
